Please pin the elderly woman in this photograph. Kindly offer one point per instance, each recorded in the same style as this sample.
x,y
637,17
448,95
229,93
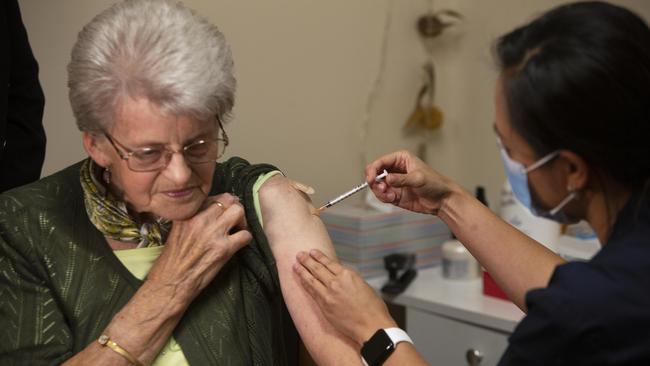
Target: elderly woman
x,y
148,251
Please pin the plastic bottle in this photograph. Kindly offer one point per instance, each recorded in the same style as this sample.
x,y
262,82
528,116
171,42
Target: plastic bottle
x,y
457,262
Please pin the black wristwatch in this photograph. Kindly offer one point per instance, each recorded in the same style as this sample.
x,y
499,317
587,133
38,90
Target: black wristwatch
x,y
381,345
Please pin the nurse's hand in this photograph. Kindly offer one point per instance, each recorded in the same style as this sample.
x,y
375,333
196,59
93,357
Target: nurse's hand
x,y
410,184
345,299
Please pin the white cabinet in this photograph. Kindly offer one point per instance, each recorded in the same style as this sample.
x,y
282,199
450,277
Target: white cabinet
x,y
447,318
445,341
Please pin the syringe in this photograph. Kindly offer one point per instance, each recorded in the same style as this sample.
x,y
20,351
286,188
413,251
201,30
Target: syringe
x,y
351,192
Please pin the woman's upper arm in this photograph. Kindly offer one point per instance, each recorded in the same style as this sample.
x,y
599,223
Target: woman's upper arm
x,y
291,226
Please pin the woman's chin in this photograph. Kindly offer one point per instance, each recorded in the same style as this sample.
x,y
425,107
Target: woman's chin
x,y
179,217
179,212
178,208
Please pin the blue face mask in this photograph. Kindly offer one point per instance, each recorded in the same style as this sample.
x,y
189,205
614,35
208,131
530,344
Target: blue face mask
x,y
518,178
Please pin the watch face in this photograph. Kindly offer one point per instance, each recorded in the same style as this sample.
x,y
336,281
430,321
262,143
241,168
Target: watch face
x,y
377,349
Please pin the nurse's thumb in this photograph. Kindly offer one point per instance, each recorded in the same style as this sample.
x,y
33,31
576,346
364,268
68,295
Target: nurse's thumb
x,y
412,179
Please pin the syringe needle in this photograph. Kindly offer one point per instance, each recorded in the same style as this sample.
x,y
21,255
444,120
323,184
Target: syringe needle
x,y
350,192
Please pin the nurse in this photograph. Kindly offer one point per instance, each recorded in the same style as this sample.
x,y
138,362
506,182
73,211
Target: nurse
x,y
572,124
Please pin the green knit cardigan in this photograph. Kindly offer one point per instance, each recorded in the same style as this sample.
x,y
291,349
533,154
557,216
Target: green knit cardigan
x,y
61,284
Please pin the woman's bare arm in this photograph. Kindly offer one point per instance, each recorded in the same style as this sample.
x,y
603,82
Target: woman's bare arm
x,y
291,227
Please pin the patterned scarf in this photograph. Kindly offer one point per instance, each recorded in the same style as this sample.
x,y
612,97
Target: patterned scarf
x,y
111,217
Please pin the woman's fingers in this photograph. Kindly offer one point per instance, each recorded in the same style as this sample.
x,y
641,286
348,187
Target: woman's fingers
x,y
226,212
224,200
232,217
240,239
302,187
199,247
215,206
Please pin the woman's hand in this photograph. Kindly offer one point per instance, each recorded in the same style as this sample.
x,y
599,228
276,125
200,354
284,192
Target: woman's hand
x,y
411,184
196,250
199,247
346,300
302,187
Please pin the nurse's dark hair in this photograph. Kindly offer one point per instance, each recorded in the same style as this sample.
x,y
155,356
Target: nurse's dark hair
x,y
578,78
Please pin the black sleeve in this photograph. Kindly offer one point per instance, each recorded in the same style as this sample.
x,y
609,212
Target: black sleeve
x,y
542,336
22,137
562,327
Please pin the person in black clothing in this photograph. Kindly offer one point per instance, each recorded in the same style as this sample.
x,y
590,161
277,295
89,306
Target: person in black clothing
x,y
22,137
572,121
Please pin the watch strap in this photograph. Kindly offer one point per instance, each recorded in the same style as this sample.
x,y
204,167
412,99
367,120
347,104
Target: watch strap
x,y
381,345
398,335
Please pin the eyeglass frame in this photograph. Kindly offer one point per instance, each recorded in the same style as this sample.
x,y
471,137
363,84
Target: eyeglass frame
x,y
126,155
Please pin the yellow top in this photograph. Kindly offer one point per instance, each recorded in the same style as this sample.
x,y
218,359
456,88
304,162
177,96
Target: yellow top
x,y
256,188
139,261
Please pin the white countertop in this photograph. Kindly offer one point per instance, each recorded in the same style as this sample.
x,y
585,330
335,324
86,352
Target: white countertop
x,y
462,300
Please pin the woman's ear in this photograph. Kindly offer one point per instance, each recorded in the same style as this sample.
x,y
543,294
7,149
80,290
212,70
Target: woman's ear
x,y
95,147
577,170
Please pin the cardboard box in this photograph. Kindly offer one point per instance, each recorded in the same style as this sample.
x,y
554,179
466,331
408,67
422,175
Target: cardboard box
x,y
363,236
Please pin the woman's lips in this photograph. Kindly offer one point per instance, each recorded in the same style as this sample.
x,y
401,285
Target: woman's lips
x,y
180,193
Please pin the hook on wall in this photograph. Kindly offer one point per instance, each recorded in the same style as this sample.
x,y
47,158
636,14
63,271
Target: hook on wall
x,y
433,24
426,116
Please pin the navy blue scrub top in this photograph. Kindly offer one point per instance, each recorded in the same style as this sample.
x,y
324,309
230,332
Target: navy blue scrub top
x,y
596,312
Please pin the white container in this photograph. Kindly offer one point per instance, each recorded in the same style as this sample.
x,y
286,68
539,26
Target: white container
x,y
543,230
457,262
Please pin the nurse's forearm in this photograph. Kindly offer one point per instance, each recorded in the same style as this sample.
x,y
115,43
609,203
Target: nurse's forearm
x,y
517,262
405,354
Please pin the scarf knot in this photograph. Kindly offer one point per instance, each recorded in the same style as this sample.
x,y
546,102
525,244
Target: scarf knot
x,y
111,216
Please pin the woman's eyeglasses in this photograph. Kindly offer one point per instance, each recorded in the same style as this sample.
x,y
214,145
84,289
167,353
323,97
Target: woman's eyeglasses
x,y
149,159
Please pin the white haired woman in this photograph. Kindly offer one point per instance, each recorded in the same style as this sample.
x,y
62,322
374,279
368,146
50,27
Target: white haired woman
x,y
147,251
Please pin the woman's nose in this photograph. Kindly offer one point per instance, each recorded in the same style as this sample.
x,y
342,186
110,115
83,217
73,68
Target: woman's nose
x,y
178,170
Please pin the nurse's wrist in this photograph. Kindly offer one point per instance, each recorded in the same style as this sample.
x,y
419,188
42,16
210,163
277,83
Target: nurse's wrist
x,y
365,333
452,203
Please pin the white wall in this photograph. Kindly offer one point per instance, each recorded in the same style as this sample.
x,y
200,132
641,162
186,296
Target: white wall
x,y
305,69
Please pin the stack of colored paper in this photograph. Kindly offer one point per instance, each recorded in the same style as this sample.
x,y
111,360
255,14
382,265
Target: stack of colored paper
x,y
363,236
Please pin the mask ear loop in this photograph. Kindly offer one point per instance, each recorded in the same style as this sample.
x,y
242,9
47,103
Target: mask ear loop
x,y
542,161
572,195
